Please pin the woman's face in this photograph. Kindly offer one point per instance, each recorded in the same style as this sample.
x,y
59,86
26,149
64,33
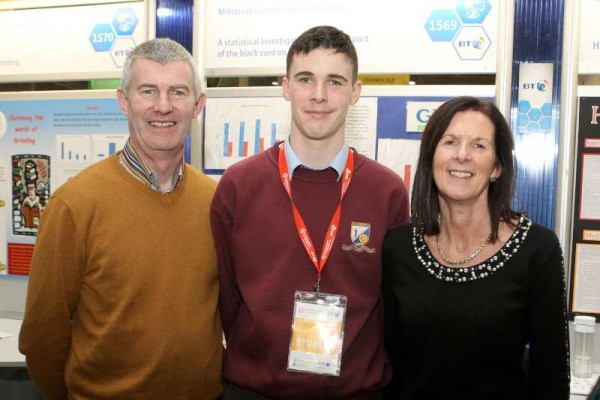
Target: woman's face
x,y
465,159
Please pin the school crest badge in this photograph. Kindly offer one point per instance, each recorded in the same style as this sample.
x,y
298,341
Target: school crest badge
x,y
360,234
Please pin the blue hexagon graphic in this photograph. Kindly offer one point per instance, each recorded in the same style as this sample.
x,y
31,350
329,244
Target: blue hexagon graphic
x,y
534,114
125,21
547,109
533,127
473,11
102,37
471,43
122,47
524,106
546,124
442,25
522,119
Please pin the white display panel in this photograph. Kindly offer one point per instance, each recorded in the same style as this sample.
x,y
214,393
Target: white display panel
x,y
69,42
589,37
245,38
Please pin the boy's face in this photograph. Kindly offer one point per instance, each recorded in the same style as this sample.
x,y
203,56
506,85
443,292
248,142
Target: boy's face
x,y
320,90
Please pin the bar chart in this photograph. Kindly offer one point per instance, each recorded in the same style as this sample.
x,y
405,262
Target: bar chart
x,y
242,143
104,146
87,149
73,149
237,128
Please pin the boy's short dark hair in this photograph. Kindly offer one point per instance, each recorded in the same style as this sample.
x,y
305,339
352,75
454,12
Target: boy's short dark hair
x,y
324,37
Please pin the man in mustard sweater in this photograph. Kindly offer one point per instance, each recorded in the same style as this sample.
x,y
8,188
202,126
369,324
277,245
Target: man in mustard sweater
x,y
122,297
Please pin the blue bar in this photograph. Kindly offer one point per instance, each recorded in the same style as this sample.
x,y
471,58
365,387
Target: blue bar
x,y
112,147
226,139
273,133
257,136
241,141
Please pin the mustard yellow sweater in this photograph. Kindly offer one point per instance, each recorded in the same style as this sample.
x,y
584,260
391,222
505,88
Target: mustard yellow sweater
x,y
122,296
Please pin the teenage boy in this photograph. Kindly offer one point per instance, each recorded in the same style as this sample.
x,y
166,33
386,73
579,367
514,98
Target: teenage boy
x,y
302,316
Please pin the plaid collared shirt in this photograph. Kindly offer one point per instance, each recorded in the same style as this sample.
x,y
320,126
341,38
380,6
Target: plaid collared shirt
x,y
139,170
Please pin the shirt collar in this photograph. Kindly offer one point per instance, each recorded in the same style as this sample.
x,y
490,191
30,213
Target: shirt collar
x,y
138,168
338,163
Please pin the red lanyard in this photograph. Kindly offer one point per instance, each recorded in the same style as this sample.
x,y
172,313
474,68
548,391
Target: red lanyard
x,y
301,228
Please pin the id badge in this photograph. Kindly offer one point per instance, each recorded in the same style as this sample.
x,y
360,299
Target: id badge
x,y
317,333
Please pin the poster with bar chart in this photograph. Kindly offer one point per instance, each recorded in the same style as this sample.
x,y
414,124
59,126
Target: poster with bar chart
x,y
104,146
47,138
237,128
73,153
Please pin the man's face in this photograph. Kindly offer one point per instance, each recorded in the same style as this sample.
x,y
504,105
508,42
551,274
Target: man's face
x,y
320,89
160,106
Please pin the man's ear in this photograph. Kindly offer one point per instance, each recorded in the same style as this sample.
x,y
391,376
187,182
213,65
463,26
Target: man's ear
x,y
199,104
123,103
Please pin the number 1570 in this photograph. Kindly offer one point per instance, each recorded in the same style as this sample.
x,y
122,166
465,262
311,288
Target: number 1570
x,y
103,37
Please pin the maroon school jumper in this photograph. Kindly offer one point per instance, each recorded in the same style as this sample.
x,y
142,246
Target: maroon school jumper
x,y
262,263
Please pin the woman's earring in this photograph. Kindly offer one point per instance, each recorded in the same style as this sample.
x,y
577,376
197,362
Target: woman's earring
x,y
493,179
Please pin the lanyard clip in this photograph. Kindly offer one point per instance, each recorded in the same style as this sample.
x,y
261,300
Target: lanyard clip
x,y
318,287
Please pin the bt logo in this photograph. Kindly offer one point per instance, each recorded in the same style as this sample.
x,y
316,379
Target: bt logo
x,y
478,43
541,85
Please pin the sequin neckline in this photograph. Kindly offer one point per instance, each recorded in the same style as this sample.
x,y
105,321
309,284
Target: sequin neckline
x,y
475,272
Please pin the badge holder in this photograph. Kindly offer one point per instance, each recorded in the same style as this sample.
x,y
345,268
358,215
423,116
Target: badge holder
x,y
317,333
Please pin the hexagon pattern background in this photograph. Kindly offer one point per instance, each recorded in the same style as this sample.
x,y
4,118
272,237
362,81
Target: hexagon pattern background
x,y
463,27
532,119
116,36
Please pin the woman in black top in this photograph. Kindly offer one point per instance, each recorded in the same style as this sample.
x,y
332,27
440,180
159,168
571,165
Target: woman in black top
x,y
471,282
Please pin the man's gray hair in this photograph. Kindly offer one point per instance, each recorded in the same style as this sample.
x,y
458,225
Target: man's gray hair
x,y
162,51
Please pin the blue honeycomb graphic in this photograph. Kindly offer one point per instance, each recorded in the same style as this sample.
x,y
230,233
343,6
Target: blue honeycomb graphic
x,y
463,26
442,25
474,11
532,120
102,37
116,37
125,21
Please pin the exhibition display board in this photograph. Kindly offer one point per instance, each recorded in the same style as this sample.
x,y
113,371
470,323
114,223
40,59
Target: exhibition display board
x,y
73,41
252,38
585,252
46,138
589,32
